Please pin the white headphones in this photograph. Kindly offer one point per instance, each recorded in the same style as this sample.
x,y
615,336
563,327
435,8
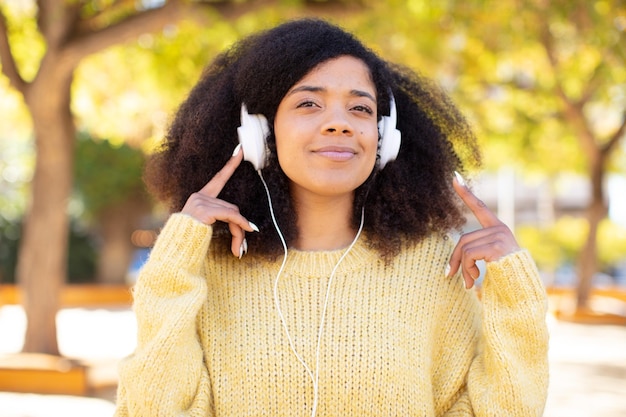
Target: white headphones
x,y
254,130
390,137
252,137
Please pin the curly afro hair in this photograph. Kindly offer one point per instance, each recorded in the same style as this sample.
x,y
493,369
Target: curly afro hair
x,y
409,199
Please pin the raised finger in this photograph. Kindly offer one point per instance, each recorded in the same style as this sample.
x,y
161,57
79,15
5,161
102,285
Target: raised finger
x,y
484,216
217,183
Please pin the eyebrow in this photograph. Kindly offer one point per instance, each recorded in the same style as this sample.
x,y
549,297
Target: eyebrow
x,y
314,89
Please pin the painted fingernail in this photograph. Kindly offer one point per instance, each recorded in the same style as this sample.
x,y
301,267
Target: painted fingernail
x,y
459,178
253,226
447,272
243,249
237,150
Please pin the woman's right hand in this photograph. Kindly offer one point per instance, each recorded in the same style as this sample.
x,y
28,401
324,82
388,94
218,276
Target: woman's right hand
x,y
207,208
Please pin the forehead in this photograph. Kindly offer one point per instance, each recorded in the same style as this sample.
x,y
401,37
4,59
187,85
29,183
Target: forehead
x,y
337,72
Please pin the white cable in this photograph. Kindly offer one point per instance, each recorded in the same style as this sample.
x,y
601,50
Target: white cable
x,y
314,378
280,271
326,298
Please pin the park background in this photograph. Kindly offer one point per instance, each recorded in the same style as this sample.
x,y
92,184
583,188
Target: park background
x,y
88,87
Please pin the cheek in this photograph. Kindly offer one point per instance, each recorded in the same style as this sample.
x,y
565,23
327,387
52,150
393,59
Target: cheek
x,y
373,145
282,140
287,153
284,146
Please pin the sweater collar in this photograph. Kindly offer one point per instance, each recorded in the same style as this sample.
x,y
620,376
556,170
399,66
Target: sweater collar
x,y
315,264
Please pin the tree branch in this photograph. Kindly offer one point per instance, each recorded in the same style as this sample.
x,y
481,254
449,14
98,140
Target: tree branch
x,y
93,22
619,134
57,21
132,26
573,110
9,67
592,85
89,42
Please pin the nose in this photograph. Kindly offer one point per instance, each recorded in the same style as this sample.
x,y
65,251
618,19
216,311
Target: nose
x,y
337,123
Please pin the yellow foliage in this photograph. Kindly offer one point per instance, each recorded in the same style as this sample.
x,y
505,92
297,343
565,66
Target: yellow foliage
x,y
562,242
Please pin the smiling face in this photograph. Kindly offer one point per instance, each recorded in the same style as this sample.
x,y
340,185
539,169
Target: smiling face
x,y
326,129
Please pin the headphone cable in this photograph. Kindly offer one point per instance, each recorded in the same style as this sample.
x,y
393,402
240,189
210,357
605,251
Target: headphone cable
x,y
314,378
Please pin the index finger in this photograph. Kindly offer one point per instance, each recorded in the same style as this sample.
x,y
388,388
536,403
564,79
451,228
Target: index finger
x,y
484,216
217,183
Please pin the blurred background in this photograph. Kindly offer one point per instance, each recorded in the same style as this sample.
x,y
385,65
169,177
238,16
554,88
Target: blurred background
x,y
87,88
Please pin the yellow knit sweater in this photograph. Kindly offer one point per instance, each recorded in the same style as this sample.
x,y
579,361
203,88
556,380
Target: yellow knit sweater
x,y
400,339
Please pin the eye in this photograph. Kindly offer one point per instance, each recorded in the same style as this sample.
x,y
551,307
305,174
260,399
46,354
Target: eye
x,y
364,109
306,103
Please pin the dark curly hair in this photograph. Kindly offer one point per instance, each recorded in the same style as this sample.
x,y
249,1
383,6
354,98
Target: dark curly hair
x,y
408,199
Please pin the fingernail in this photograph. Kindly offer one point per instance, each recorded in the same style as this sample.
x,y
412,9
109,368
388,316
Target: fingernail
x,y
468,285
459,179
243,249
447,270
237,150
253,226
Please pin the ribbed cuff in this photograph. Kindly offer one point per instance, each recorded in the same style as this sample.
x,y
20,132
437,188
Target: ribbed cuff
x,y
514,279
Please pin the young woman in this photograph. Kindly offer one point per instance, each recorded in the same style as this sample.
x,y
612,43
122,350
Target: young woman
x,y
320,279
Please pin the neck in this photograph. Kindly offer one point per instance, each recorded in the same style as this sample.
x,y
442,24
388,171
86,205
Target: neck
x,y
324,224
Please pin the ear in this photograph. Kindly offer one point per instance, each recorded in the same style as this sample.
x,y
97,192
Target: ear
x,y
252,134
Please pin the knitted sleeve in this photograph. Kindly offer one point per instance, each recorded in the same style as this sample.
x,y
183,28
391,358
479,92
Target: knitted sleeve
x,y
509,374
166,375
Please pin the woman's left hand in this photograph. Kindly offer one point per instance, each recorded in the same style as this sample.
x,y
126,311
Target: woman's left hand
x,y
490,243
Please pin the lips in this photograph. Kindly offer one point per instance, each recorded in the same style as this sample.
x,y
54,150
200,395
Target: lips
x,y
336,153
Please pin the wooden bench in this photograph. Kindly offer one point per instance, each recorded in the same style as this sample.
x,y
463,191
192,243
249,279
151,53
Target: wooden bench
x,y
43,374
83,295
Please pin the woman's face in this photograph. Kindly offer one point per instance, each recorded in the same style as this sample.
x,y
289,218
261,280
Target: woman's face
x,y
326,129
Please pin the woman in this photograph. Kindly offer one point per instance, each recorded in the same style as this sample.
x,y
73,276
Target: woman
x,y
320,279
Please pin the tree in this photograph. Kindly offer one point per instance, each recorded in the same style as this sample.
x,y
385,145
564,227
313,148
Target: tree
x,y
590,29
71,31
108,178
556,70
543,80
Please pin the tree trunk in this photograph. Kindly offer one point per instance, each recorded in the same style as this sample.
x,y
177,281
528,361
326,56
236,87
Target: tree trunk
x,y
596,212
117,224
42,264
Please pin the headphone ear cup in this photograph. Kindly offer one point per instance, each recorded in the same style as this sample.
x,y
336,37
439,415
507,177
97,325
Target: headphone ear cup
x,y
390,137
252,134
389,143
